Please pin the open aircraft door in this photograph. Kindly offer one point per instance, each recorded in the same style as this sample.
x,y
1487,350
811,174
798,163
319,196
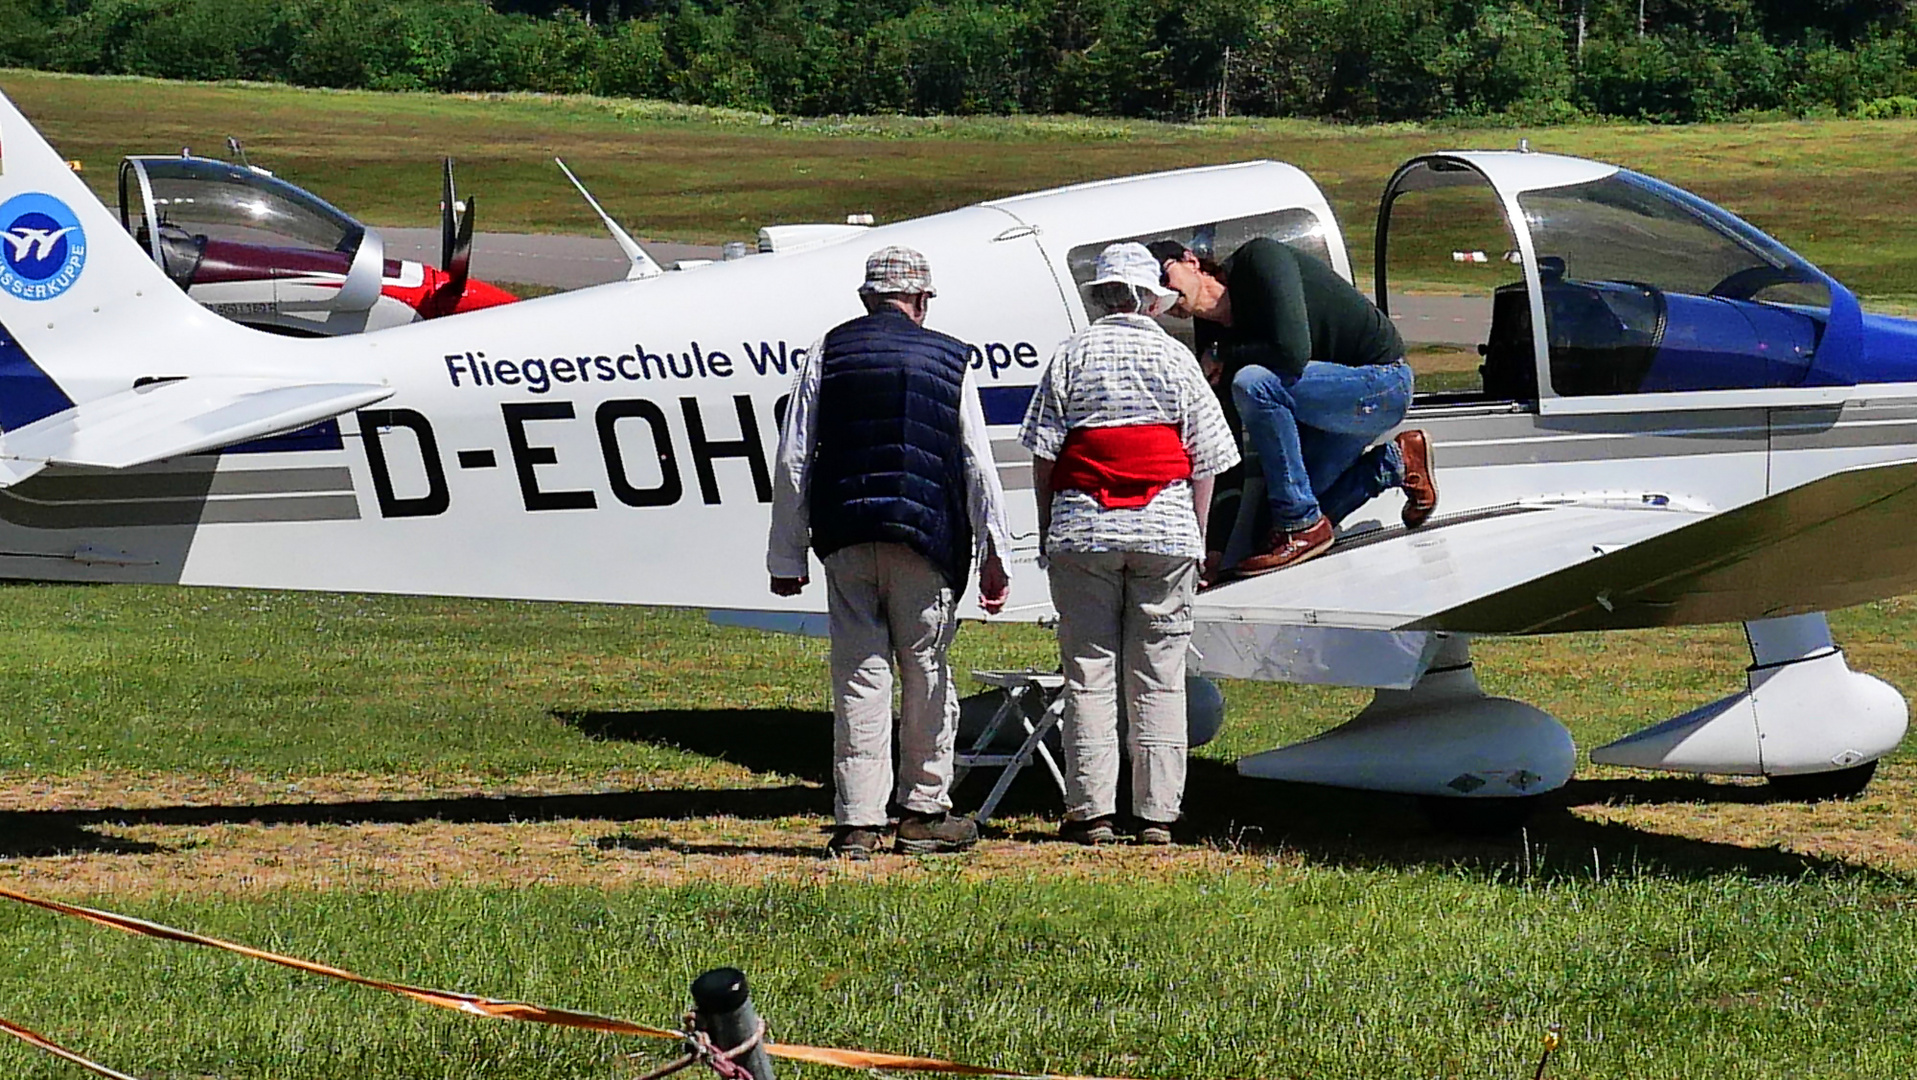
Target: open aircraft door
x,y
1643,323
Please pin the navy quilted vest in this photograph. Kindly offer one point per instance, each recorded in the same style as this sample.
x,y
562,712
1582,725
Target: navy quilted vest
x,y
889,461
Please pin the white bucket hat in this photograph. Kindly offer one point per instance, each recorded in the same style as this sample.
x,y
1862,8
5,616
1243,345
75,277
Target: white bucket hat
x,y
1131,263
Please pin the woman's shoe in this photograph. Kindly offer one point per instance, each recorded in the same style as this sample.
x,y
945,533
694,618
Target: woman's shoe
x,y
1153,833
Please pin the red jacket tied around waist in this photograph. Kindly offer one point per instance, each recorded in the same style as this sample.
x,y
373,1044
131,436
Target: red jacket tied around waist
x,y
1124,467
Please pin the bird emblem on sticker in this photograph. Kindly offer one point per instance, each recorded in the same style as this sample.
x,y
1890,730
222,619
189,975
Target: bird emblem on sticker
x,y
43,247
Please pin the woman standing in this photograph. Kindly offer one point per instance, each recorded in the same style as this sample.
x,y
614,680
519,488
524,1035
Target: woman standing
x,y
1126,436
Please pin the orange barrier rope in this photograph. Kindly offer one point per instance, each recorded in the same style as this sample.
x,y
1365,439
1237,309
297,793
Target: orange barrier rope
x,y
33,1038
505,1010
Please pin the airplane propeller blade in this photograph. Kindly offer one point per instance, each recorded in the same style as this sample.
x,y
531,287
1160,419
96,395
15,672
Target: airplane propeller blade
x,y
459,257
456,248
448,217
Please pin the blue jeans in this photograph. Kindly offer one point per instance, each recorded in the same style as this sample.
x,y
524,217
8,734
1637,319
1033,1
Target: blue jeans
x,y
1313,434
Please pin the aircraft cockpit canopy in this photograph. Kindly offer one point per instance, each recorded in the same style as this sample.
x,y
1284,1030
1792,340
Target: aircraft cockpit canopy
x,y
1643,288
187,211
1650,289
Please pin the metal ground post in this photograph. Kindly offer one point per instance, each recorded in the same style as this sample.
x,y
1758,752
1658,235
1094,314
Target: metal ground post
x,y
723,1004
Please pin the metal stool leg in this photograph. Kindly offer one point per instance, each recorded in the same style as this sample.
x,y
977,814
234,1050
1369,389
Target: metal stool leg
x,y
1010,705
1034,741
1054,716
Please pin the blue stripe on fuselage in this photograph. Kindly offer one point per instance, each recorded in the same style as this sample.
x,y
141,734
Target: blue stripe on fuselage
x,y
1005,404
26,392
1890,350
321,436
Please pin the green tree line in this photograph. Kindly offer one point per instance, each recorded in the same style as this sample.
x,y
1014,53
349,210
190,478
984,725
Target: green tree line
x,y
1365,60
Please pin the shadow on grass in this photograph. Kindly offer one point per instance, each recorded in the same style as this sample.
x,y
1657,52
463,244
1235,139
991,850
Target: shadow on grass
x,y
1664,790
790,742
45,835
685,847
1330,826
1371,829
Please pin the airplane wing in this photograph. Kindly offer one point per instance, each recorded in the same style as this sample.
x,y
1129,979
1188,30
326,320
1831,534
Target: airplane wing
x,y
1608,563
1393,578
169,419
1841,540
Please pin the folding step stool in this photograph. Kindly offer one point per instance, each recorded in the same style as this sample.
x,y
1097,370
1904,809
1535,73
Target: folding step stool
x,y
1050,686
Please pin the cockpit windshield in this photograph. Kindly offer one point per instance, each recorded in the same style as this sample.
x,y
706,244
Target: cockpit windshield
x,y
1648,288
219,201
1628,227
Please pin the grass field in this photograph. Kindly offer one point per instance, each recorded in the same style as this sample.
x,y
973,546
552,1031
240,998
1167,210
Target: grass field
x,y
586,806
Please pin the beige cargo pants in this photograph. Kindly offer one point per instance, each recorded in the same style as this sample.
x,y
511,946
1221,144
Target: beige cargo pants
x,y
887,602
1124,615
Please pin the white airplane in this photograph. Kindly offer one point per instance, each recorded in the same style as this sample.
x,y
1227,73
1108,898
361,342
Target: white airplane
x,y
1677,421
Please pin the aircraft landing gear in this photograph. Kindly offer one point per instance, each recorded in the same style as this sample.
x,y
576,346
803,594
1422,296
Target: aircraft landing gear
x,y
1805,719
1444,739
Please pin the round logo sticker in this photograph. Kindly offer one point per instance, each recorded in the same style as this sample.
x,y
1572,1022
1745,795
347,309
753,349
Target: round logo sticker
x,y
42,247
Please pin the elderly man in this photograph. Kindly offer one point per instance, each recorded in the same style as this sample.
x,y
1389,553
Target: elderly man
x,y
885,468
1126,437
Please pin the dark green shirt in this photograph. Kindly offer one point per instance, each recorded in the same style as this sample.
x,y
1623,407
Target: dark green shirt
x,y
1289,309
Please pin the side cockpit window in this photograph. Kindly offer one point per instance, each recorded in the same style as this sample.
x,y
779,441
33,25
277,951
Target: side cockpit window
x,y
1649,290
1456,292
1297,227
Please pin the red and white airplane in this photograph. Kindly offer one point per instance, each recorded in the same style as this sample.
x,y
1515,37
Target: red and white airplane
x,y
274,256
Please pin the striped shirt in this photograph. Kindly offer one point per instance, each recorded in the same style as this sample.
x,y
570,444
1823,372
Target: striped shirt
x,y
1125,369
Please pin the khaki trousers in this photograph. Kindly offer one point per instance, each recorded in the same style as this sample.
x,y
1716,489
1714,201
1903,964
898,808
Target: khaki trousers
x,y
887,602
1129,612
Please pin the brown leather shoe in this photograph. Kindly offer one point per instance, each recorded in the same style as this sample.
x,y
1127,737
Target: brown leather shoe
x,y
1420,491
1289,549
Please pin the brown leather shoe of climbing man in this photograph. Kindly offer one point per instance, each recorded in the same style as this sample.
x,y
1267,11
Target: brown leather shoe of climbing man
x,y
1420,491
1289,548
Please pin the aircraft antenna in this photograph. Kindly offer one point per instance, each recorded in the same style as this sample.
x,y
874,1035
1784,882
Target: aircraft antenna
x,y
642,264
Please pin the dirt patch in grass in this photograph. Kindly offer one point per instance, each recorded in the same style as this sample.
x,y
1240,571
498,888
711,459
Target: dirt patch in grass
x,y
96,793
144,835
236,859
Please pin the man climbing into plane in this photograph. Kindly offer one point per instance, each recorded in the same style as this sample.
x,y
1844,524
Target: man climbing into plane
x,y
884,468
1314,373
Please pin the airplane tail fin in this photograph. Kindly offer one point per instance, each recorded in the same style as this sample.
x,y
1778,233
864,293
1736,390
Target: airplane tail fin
x,y
75,286
91,329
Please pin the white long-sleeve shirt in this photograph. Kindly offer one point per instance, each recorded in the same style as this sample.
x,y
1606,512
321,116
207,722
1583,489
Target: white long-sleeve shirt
x,y
791,531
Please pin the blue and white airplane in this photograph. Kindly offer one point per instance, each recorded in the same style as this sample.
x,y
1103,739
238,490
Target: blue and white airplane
x,y
1677,420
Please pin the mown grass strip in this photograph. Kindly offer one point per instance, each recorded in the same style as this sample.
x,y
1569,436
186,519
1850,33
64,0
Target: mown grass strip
x,y
1332,974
